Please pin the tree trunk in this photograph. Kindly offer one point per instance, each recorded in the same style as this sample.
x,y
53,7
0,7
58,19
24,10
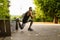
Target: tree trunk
x,y
55,20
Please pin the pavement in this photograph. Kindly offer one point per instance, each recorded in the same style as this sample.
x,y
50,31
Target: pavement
x,y
41,32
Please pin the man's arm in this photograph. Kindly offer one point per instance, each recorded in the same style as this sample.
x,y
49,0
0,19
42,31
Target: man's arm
x,y
31,14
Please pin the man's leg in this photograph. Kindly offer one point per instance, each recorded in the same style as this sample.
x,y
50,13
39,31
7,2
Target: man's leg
x,y
20,25
16,25
17,22
23,24
31,22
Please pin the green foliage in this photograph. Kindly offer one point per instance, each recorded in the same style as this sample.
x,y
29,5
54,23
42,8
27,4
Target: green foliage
x,y
48,7
4,9
13,17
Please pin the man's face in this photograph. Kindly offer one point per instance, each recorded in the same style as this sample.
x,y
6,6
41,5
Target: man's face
x,y
30,8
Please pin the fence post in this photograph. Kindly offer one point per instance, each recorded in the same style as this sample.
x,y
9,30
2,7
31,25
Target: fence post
x,y
5,28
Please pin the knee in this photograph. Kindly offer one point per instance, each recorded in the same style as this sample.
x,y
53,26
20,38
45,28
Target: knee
x,y
17,20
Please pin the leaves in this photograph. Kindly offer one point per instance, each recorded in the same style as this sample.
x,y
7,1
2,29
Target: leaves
x,y
4,10
48,7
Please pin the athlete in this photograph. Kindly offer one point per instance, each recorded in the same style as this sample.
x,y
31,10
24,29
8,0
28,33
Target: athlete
x,y
25,19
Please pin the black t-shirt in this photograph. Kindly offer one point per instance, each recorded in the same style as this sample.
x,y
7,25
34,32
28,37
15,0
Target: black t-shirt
x,y
26,17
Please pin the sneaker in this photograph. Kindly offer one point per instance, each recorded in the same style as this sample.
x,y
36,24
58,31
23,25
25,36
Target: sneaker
x,y
29,29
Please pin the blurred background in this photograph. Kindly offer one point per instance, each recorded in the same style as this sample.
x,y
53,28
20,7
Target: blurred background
x,y
43,10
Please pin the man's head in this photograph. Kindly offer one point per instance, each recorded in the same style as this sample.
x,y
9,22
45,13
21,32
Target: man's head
x,y
30,8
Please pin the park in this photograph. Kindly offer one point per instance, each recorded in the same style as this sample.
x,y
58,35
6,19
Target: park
x,y
46,20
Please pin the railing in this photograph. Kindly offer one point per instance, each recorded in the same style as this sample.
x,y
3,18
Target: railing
x,y
5,29
7,26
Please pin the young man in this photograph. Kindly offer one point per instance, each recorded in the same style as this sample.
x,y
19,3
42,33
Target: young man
x,y
25,19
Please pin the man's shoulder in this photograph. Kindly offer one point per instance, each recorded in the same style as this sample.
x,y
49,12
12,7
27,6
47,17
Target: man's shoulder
x,y
26,12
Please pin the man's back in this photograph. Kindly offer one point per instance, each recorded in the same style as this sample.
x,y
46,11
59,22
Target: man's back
x,y
26,17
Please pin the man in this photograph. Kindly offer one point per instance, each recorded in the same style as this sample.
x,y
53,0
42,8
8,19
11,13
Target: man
x,y
26,19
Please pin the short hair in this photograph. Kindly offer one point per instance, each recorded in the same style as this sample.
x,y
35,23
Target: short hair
x,y
30,7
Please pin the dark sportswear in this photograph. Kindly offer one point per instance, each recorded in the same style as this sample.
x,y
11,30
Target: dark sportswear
x,y
25,18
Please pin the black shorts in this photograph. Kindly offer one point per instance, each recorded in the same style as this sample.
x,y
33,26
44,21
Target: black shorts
x,y
24,21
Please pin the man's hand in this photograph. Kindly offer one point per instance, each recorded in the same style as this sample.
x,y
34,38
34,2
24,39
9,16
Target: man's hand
x,y
30,13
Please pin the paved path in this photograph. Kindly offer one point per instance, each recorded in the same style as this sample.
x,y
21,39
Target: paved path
x,y
41,32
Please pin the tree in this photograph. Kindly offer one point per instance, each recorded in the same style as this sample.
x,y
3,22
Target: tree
x,y
49,7
4,10
4,18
